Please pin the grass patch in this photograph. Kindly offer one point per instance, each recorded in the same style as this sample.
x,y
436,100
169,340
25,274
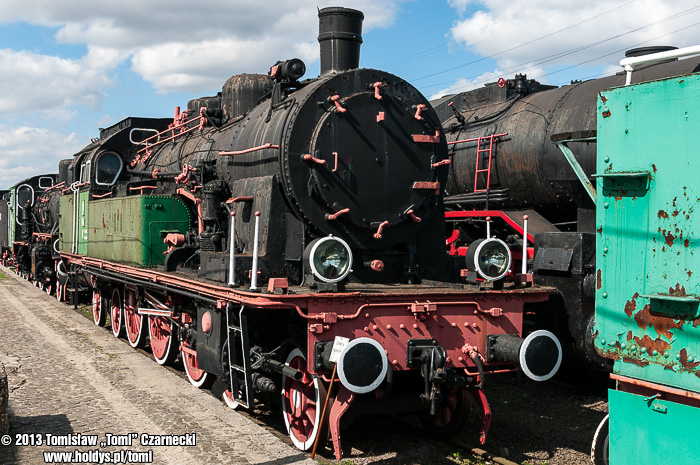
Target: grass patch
x,y
2,276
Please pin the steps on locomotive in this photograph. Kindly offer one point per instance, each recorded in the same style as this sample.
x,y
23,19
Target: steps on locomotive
x,y
238,336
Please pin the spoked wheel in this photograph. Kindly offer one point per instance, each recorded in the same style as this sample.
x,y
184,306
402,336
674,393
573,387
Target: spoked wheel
x,y
227,396
50,287
99,312
451,415
136,325
600,450
116,312
302,403
163,339
198,378
62,292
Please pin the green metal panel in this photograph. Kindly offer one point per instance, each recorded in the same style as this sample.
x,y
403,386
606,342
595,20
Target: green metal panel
x,y
647,249
65,223
130,230
83,200
667,433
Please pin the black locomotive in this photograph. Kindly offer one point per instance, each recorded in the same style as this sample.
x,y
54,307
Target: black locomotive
x,y
517,148
286,237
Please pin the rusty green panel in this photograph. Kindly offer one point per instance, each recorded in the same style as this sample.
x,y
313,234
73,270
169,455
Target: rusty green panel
x,y
667,433
130,230
647,249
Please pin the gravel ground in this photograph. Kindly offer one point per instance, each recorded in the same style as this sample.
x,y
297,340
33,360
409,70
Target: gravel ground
x,y
533,423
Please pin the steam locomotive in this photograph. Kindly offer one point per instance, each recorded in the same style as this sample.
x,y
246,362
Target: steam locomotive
x,y
520,148
285,240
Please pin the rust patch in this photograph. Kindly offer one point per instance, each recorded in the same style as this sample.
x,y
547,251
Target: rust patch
x,y
674,201
634,361
602,97
669,237
662,214
661,324
675,213
653,166
599,280
600,230
629,336
691,366
653,344
631,305
678,291
690,273
686,243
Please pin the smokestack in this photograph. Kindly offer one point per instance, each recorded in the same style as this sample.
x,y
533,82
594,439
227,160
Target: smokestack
x,y
340,36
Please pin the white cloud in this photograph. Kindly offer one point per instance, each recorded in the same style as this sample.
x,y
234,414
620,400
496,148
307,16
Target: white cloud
x,y
32,82
534,38
522,32
180,45
463,84
27,151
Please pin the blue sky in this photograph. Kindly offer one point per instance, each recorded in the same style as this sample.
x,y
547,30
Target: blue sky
x,y
70,67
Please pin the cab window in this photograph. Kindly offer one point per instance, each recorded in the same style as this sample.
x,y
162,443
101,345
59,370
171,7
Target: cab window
x,y
109,167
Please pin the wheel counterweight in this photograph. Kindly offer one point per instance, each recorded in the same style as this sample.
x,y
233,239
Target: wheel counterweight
x,y
199,378
163,344
302,402
99,313
116,313
136,325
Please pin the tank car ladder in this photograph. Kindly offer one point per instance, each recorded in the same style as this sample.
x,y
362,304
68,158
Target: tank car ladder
x,y
237,339
479,152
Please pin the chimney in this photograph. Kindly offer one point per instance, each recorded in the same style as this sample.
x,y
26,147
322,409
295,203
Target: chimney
x,y
340,36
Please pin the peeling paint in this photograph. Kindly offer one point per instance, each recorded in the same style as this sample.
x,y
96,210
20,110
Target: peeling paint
x,y
599,280
631,305
678,291
634,361
661,324
653,344
691,366
669,237
662,214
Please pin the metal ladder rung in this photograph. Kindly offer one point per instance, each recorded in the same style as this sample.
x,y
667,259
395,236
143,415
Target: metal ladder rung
x,y
243,392
479,152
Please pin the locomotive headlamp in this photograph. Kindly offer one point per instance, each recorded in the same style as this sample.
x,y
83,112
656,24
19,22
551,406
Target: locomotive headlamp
x,y
362,365
329,259
489,258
